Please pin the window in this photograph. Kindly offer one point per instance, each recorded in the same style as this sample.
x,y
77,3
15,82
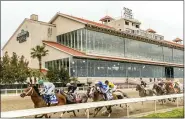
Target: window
x,y
137,26
126,22
108,20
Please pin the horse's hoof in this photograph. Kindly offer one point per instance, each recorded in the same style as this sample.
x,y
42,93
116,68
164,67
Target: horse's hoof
x,y
109,115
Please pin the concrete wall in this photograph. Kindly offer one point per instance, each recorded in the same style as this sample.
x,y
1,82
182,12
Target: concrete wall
x,y
120,24
64,25
37,32
54,54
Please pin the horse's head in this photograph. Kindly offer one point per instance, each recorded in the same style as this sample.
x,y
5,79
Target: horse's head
x,y
30,91
92,91
154,86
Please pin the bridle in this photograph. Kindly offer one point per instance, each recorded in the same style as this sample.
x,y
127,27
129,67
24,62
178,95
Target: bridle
x,y
30,90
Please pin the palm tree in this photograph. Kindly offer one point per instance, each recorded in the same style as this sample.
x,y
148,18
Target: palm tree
x,y
39,52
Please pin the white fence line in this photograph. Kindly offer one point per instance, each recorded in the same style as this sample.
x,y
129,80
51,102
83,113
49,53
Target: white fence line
x,y
45,110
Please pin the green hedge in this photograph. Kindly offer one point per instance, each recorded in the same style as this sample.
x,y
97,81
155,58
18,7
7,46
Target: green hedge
x,y
177,113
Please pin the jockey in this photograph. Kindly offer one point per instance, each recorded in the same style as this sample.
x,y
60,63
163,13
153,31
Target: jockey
x,y
71,90
111,86
176,84
161,83
48,89
104,89
142,82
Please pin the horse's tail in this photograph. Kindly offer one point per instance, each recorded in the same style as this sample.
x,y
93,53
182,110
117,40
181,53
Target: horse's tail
x,y
124,94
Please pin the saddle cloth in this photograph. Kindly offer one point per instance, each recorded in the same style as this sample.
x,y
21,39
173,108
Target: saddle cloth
x,y
52,99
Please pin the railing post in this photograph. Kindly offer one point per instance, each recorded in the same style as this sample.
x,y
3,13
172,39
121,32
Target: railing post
x,y
155,106
127,110
87,113
16,91
5,91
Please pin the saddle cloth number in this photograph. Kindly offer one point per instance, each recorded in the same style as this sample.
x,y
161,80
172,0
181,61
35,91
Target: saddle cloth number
x,y
53,99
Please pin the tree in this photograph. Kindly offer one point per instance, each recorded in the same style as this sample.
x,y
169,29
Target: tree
x,y
64,76
14,65
39,52
23,70
8,77
56,75
53,75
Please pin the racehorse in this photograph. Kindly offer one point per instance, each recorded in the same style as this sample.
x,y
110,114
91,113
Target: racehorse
x,y
143,92
38,99
171,90
159,91
96,95
80,98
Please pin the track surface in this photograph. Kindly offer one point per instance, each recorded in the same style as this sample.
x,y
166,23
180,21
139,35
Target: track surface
x,y
9,103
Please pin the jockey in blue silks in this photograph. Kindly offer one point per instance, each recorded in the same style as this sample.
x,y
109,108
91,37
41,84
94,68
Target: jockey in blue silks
x,y
104,89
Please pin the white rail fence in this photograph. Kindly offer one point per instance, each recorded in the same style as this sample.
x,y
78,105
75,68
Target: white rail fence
x,y
87,106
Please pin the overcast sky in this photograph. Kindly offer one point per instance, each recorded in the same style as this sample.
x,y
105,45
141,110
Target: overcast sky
x,y
165,17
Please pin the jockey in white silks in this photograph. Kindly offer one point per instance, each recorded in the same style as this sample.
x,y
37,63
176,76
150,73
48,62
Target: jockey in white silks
x,y
47,89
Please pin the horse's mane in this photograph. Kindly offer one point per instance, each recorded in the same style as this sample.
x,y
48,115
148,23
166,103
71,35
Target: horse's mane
x,y
36,90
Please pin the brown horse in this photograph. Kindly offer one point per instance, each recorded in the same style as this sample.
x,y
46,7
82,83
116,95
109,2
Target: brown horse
x,y
171,90
38,100
159,91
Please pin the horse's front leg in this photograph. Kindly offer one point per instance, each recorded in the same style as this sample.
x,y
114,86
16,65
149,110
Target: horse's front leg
x,y
74,113
61,115
98,109
36,116
46,116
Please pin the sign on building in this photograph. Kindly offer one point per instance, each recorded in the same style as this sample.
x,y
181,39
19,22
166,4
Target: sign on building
x,y
127,13
21,37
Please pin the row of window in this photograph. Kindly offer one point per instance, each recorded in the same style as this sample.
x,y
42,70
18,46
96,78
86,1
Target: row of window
x,y
110,45
57,64
99,68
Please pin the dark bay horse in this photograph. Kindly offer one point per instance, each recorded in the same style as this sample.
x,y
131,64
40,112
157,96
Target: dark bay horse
x,y
159,91
81,98
143,92
39,101
96,95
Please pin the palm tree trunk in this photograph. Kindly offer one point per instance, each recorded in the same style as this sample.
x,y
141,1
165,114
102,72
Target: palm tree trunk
x,y
40,65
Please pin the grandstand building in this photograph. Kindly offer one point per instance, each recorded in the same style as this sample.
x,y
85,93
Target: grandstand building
x,y
115,49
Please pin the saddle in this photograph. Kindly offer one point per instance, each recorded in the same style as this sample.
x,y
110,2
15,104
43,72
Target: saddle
x,y
73,98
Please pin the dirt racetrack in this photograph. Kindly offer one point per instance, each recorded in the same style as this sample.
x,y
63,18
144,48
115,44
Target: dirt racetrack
x,y
9,103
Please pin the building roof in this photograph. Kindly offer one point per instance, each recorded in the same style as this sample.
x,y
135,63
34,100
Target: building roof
x,y
81,20
151,31
106,17
84,55
63,48
177,40
99,25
